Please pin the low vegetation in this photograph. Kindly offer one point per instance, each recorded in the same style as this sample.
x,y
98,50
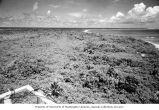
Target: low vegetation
x,y
79,67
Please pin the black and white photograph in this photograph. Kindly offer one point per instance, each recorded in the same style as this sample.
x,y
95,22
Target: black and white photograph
x,y
79,52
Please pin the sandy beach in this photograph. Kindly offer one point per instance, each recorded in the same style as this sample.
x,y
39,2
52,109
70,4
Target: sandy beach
x,y
156,45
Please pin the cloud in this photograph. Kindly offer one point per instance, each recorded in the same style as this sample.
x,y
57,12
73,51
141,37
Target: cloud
x,y
88,20
102,20
5,19
138,10
55,6
77,15
116,0
138,14
81,14
117,18
35,6
84,10
152,12
48,12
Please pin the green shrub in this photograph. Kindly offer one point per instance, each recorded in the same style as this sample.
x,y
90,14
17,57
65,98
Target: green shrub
x,y
130,84
56,90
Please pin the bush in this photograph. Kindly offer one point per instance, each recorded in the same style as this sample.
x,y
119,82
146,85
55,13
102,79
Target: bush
x,y
132,80
130,84
56,90
22,69
131,63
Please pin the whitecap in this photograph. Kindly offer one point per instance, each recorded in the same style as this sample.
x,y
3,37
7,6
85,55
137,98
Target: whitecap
x,y
86,31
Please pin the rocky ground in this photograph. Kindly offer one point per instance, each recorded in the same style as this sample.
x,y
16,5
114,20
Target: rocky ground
x,y
77,67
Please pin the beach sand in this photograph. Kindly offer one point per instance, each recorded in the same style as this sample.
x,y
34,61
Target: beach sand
x,y
156,45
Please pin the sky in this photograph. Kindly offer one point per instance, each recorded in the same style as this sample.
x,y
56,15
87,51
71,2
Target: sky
x,y
80,13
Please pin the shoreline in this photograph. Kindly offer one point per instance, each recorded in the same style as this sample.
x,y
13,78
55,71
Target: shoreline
x,y
156,45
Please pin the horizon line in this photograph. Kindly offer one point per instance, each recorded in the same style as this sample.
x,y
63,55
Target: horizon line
x,y
77,27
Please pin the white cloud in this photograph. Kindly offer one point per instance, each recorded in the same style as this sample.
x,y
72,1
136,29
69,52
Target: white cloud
x,y
152,11
77,15
54,6
84,10
118,17
138,10
116,0
102,20
35,6
48,12
119,14
138,14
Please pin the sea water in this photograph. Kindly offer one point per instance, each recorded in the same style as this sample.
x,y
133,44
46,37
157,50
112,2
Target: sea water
x,y
149,35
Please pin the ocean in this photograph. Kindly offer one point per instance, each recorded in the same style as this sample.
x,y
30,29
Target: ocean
x,y
148,35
